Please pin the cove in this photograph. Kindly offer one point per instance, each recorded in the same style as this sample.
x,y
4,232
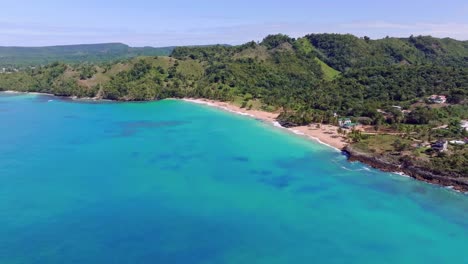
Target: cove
x,y
175,182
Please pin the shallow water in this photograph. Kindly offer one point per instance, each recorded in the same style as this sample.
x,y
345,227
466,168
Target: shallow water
x,y
175,182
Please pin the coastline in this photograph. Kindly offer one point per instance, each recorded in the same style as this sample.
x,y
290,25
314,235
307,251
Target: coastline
x,y
19,92
407,170
326,135
74,98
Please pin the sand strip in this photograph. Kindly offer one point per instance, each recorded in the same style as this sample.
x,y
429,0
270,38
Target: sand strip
x,y
326,134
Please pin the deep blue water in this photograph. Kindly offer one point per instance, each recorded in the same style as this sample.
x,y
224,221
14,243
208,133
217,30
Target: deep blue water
x,y
175,182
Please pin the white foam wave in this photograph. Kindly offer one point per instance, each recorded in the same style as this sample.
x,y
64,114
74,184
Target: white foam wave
x,y
297,132
348,169
277,124
401,174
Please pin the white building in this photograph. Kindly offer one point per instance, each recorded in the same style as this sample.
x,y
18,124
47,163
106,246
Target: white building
x,y
440,146
464,124
437,99
457,142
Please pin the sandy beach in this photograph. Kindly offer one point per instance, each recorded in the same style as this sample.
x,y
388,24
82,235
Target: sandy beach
x,y
326,134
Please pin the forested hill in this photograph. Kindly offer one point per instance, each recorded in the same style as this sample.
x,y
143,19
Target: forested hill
x,y
91,53
343,52
309,78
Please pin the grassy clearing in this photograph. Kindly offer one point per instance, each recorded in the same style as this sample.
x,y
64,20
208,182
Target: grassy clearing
x,y
328,72
259,52
190,68
380,143
253,104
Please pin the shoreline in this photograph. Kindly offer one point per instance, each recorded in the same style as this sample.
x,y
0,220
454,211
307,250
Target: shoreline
x,y
407,170
325,135
73,97
19,92
326,132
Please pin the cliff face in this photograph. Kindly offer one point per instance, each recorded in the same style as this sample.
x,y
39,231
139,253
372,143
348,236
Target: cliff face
x,y
407,168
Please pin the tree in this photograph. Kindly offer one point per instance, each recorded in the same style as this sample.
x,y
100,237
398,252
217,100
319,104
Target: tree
x,y
355,135
399,145
421,115
273,41
455,127
456,96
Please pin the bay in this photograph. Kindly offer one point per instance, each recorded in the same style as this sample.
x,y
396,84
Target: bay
x,y
176,182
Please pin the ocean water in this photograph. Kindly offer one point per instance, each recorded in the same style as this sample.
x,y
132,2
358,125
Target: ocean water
x,y
175,182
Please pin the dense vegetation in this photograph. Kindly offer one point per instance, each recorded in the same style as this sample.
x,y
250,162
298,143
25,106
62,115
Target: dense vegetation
x,y
343,52
383,83
17,57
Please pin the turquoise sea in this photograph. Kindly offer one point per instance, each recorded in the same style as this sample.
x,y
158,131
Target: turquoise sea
x,y
175,182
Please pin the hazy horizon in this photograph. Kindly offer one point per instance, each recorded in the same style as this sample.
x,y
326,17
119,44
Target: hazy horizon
x,y
182,22
132,46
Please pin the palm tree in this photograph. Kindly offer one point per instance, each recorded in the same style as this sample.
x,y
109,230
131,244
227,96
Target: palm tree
x,y
355,135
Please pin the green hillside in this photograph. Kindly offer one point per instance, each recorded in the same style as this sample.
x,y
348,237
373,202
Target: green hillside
x,y
309,78
343,52
328,72
91,53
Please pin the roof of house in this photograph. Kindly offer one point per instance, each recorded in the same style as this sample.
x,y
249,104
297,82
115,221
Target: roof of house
x,y
435,96
439,144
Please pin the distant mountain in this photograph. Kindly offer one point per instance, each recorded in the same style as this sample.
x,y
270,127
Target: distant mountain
x,y
31,56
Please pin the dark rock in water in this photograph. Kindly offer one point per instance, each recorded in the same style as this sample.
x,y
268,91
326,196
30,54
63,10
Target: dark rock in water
x,y
407,168
287,124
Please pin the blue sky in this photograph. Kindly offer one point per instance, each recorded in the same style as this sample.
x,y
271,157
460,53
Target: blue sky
x,y
186,22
